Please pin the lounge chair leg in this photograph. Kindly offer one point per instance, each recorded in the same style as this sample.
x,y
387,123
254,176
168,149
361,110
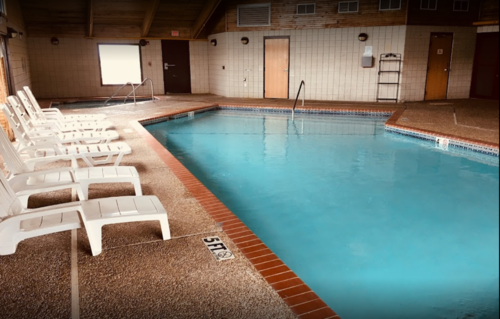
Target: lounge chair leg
x,y
7,249
94,232
165,228
24,200
83,191
119,159
138,188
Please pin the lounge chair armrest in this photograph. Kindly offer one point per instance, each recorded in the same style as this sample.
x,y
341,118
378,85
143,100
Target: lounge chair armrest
x,y
44,172
52,110
32,162
51,210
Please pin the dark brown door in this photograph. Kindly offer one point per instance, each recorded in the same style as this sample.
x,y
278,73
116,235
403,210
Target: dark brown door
x,y
485,76
438,72
277,57
176,66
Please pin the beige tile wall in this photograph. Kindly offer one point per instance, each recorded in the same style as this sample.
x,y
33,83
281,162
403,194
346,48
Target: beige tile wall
x,y
19,63
218,64
71,69
417,55
488,29
199,67
328,60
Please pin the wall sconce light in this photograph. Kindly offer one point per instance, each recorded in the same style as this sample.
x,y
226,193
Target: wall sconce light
x,y
21,34
54,41
245,40
213,42
363,37
143,43
12,33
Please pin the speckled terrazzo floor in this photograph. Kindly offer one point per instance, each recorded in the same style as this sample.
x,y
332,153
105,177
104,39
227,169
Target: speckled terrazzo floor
x,y
140,276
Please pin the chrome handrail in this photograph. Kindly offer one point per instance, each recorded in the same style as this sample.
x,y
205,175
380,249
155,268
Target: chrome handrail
x,y
121,87
303,83
152,91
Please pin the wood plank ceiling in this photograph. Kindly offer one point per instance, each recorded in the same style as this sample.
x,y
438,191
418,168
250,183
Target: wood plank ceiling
x,y
146,19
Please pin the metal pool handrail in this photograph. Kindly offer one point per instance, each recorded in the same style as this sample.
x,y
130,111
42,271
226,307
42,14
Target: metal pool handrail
x,y
303,83
152,90
121,87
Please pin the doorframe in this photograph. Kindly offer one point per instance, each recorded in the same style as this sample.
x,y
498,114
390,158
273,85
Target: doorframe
x,y
163,65
475,69
429,57
264,73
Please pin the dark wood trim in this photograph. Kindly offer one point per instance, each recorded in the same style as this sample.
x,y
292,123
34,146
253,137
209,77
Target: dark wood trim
x,y
289,44
6,55
100,66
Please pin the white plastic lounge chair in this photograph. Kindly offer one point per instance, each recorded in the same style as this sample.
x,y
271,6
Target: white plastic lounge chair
x,y
54,113
17,117
25,182
39,120
17,223
42,147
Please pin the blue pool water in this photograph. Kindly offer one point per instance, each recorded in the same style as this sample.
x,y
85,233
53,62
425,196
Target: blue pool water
x,y
378,225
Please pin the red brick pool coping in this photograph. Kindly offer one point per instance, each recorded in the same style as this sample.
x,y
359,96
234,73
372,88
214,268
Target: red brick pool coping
x,y
296,294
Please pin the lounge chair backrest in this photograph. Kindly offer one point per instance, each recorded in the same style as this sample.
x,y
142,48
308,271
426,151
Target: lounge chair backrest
x,y
9,203
23,116
30,109
11,157
32,99
19,131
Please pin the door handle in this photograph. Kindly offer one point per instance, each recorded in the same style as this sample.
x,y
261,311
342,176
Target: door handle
x,y
168,65
446,70
286,70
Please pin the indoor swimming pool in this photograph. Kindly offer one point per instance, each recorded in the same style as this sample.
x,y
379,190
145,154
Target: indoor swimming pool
x,y
377,224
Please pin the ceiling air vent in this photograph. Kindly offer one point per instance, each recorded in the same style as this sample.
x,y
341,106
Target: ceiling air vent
x,y
254,15
309,8
348,6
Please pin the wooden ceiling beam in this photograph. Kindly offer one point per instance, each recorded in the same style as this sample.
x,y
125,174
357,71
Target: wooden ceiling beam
x,y
150,15
204,16
90,19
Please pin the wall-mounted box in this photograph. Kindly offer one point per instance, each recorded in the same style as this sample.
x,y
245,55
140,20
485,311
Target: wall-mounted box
x,y
367,59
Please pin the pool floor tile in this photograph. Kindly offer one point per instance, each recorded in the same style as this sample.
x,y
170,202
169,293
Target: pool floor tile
x,y
287,284
291,292
269,265
309,307
301,299
325,313
280,277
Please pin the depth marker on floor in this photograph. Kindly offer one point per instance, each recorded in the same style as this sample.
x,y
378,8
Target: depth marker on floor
x,y
218,249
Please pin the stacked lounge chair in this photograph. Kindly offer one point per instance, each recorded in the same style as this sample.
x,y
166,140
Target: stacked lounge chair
x,y
41,145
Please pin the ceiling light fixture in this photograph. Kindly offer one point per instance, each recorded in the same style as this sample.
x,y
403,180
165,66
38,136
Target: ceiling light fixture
x,y
213,42
54,41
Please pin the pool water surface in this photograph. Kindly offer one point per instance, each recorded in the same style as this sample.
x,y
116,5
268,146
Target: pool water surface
x,y
378,225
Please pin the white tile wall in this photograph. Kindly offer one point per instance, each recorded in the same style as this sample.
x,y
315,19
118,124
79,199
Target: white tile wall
x,y
199,67
71,69
488,29
218,63
328,60
417,56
